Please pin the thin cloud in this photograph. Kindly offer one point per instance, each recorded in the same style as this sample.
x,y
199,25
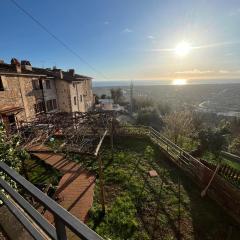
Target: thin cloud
x,y
127,30
202,72
212,45
106,23
161,50
219,44
223,71
195,71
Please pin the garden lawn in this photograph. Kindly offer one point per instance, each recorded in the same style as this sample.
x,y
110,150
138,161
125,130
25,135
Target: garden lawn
x,y
41,173
142,207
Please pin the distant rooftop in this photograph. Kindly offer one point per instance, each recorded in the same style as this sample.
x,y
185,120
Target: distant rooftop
x,y
105,100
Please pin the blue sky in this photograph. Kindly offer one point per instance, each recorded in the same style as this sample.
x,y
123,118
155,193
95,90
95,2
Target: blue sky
x,y
127,39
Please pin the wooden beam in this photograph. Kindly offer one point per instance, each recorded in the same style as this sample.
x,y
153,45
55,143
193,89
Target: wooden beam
x,y
100,143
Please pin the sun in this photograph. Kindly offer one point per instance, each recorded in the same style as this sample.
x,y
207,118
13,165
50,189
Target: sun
x,y
179,82
182,49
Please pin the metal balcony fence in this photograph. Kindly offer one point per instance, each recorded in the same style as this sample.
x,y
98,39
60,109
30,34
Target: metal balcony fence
x,y
35,223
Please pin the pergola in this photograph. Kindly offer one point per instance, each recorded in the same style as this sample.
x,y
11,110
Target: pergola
x,y
81,133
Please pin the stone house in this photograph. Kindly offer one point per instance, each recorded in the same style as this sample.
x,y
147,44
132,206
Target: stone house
x,y
26,92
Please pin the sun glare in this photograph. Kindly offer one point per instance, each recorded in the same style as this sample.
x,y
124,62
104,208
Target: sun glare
x,y
179,82
182,49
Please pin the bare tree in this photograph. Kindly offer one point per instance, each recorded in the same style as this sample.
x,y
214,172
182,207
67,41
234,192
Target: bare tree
x,y
116,95
178,124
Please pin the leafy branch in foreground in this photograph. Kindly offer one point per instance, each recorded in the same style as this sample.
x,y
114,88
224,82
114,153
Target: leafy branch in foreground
x,y
12,154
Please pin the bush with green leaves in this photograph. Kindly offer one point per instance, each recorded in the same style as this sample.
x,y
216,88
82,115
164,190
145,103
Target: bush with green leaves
x,y
235,146
213,140
11,153
149,117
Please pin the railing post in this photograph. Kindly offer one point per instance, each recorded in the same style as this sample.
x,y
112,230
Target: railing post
x,y
60,228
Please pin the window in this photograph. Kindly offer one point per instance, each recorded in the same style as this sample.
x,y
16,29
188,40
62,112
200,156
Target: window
x,y
54,103
39,107
51,104
80,98
48,84
75,100
1,85
12,121
40,84
35,84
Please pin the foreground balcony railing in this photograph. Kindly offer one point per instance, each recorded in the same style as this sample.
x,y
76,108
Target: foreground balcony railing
x,y
31,219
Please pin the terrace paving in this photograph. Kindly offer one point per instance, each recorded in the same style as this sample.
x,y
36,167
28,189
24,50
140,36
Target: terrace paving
x,y
76,187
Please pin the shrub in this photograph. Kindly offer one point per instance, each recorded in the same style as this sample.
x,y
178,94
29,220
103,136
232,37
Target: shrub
x,y
235,146
12,154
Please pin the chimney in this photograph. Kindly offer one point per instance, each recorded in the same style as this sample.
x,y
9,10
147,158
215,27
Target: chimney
x,y
72,72
16,64
26,65
58,72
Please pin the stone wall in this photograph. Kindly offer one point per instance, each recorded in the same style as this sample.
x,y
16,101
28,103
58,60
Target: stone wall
x,y
63,95
19,92
29,96
11,96
66,91
88,97
77,90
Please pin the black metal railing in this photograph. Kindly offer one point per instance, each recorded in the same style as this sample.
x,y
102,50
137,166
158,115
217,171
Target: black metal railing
x,y
31,219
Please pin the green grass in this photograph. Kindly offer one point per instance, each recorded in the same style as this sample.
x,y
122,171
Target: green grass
x,y
141,207
208,156
39,172
231,163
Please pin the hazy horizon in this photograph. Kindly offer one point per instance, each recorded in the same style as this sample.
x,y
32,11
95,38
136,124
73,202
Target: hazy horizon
x,y
119,83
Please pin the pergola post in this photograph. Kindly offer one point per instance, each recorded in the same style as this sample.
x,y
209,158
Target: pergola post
x,y
111,138
102,195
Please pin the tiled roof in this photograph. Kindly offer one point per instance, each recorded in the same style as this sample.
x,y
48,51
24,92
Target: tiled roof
x,y
67,76
6,68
